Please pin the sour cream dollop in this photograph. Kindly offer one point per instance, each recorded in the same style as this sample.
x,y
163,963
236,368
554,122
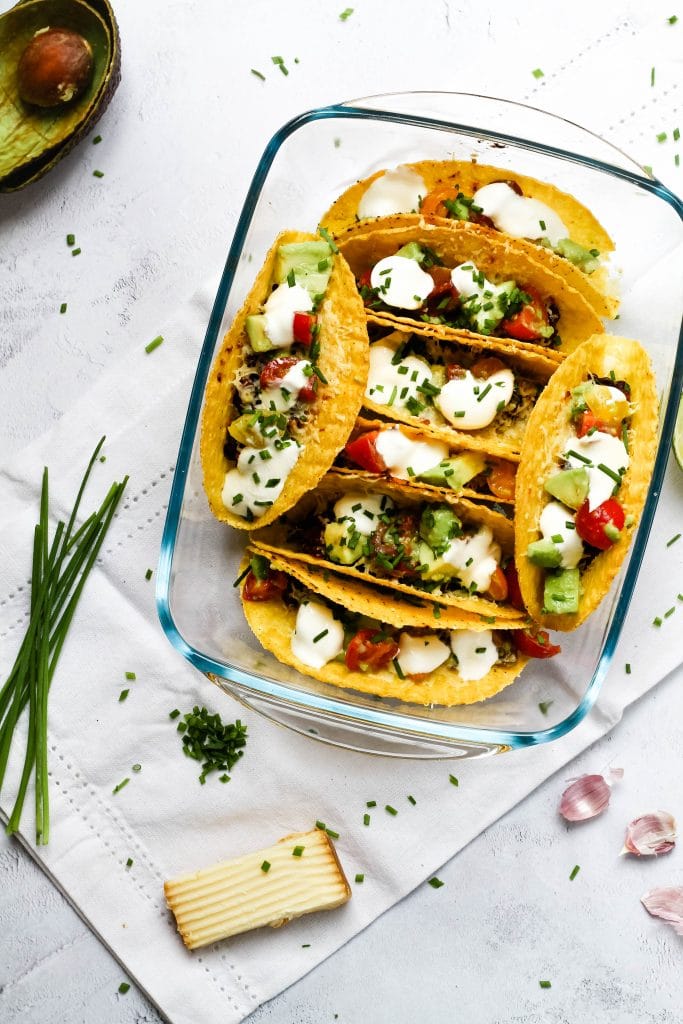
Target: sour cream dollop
x,y
405,457
362,511
420,654
280,307
553,524
476,652
256,482
282,396
521,216
601,449
475,559
395,384
401,281
397,191
472,403
317,636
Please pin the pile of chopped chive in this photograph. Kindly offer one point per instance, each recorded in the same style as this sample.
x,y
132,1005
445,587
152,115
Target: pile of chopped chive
x,y
60,569
205,738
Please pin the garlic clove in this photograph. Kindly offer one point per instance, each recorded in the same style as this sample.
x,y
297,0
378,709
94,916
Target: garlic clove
x,y
667,904
587,797
650,835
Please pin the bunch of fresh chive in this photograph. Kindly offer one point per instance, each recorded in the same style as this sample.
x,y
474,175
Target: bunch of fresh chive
x,y
60,569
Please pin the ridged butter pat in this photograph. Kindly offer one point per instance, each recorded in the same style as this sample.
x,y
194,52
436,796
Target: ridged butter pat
x,y
239,895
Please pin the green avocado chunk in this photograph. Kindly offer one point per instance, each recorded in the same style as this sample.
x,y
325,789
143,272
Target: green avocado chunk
x,y
412,251
584,259
256,330
337,548
310,262
561,592
455,472
438,524
570,486
545,553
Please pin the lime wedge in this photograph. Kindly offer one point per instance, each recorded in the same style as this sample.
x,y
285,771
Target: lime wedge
x,y
677,442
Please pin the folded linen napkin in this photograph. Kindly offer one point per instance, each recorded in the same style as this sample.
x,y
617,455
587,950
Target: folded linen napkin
x,y
163,819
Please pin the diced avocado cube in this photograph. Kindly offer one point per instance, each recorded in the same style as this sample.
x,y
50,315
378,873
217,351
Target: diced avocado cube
x,y
455,472
584,259
561,592
310,262
245,430
570,486
412,251
438,524
438,376
545,553
256,331
337,546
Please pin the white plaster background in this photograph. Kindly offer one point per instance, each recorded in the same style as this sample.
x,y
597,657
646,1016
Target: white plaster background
x,y
180,142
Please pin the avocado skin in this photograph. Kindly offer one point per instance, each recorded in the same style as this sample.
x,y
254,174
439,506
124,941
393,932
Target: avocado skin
x,y
32,170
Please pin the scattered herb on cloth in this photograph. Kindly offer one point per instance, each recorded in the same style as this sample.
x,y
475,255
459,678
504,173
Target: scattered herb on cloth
x,y
205,738
60,569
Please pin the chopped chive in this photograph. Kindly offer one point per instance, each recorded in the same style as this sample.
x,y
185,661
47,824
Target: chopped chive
x,y
305,945
321,825
366,819
129,862
390,810
652,76
148,574
319,374
657,621
545,984
575,871
62,308
242,576
331,833
297,851
673,19
680,597
412,799
576,455
485,392
224,778
669,612
96,141
544,705
453,780
628,668
75,252
661,137
258,74
676,134
399,670
324,233
131,676
265,867
124,987
677,160
371,803
70,239
435,882
124,782
154,344
360,878
609,472
537,73
320,635
98,174
346,14
174,714
123,695
136,768
279,62
673,540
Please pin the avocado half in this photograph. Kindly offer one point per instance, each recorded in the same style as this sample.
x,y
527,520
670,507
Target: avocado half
x,y
33,140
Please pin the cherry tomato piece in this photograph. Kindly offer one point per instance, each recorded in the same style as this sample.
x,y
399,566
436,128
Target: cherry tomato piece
x,y
455,372
498,587
590,526
363,452
364,281
531,322
589,422
277,369
534,643
303,327
502,478
433,204
272,586
365,652
514,591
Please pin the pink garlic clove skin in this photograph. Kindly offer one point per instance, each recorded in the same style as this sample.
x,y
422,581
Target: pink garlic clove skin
x,y
667,904
587,797
651,835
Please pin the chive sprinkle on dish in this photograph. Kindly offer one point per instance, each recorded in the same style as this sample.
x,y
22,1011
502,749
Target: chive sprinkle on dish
x,y
257,74
265,867
123,695
673,540
70,239
62,308
544,705
453,780
298,851
346,14
435,882
545,984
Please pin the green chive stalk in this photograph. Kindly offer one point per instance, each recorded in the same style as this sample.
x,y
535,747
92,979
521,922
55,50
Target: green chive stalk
x,y
59,572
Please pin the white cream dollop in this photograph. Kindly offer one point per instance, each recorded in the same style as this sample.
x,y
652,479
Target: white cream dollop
x,y
318,637
283,395
475,558
280,307
553,523
257,480
521,216
472,403
405,457
401,282
476,652
600,449
397,191
362,511
418,655
395,384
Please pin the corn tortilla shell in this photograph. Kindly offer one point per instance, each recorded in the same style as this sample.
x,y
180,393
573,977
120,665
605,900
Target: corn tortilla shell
x,y
272,622
343,361
468,176
274,538
493,254
547,429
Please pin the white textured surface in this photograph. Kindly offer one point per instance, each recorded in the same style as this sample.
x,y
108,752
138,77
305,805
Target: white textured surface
x,y
180,142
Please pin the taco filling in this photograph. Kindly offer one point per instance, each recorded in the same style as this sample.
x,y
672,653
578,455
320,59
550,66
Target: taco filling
x,y
277,382
414,280
585,515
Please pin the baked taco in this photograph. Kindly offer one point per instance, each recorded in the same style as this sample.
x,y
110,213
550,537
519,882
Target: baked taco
x,y
287,384
469,282
583,478
400,452
372,644
475,392
538,218
451,552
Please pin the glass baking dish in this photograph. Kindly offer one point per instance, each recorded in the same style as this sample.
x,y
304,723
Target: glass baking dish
x,y
304,167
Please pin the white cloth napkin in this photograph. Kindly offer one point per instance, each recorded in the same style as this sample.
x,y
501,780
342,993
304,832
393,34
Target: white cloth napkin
x,y
163,819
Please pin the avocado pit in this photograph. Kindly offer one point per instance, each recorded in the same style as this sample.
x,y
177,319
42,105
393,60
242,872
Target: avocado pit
x,y
55,68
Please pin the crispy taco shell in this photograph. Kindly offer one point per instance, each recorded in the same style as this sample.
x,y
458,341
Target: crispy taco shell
x,y
273,622
276,540
343,362
494,254
546,432
467,176
501,438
